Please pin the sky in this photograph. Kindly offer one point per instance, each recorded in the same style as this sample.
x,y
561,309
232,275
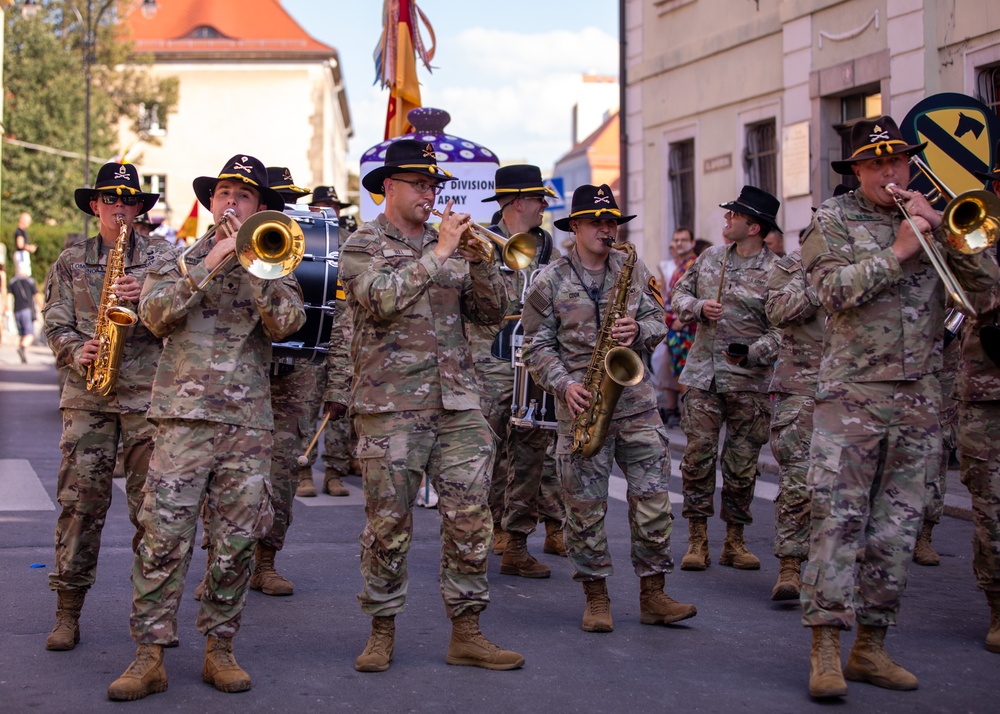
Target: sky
x,y
507,72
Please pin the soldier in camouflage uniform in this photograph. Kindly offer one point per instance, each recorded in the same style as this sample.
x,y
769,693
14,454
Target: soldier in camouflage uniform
x,y
978,393
93,425
724,292
212,406
415,401
793,307
563,317
520,452
876,435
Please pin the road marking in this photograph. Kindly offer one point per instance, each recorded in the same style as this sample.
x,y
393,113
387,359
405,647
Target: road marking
x,y
20,488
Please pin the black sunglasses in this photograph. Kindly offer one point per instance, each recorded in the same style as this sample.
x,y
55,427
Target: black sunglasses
x,y
110,199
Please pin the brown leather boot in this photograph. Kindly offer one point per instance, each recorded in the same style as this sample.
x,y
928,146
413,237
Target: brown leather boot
x,y
146,675
734,550
499,540
597,615
220,668
469,646
825,676
658,608
697,557
518,561
993,636
265,578
378,650
333,486
66,632
869,662
554,543
787,587
306,487
923,552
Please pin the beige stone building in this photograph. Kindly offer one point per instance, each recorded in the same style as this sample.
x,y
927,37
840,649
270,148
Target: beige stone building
x,y
250,80
720,93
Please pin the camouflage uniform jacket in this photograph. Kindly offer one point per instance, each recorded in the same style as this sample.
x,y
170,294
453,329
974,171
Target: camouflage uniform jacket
x,y
409,349
886,320
73,294
743,320
978,377
338,358
217,349
793,307
562,322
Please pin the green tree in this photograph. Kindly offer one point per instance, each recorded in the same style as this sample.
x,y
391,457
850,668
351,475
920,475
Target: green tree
x,y
44,96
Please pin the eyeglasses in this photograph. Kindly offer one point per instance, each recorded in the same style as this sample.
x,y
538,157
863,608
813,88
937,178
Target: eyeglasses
x,y
423,186
110,199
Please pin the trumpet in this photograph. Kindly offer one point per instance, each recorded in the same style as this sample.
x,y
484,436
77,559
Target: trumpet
x,y
517,252
269,245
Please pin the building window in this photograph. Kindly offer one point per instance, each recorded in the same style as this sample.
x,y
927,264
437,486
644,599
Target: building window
x,y
854,108
988,87
149,120
204,32
681,179
155,183
760,158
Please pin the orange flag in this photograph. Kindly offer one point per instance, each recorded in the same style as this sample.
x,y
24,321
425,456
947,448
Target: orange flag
x,y
189,229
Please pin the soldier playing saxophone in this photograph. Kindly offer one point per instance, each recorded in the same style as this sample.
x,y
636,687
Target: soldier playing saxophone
x,y
562,315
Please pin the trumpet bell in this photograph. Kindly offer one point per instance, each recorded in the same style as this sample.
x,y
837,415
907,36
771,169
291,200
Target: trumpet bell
x,y
518,251
270,245
973,220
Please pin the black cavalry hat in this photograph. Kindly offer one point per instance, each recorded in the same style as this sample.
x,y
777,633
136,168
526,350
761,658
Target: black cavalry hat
x,y
871,138
280,179
993,175
592,202
759,204
243,168
406,156
115,178
327,194
518,180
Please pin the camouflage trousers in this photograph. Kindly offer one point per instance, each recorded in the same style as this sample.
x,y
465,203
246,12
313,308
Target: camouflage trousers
x,y
791,432
496,394
874,446
89,447
639,445
979,445
533,490
747,417
339,442
454,449
295,399
937,485
227,466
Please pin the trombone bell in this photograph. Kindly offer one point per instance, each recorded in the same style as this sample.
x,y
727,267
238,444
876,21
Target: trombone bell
x,y
973,219
270,245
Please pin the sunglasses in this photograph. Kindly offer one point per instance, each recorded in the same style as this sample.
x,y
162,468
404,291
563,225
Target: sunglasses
x,y
110,199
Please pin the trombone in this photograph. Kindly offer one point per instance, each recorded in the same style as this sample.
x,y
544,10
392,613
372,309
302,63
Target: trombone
x,y
517,252
269,245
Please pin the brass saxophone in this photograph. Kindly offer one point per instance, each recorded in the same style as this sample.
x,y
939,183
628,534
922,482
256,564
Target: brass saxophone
x,y
612,367
113,322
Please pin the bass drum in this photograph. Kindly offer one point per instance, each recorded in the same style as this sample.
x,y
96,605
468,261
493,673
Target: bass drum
x,y
317,276
532,407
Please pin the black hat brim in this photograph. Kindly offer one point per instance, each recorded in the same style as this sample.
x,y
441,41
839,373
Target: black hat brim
x,y
563,223
203,186
843,167
374,178
738,207
520,193
83,196
987,175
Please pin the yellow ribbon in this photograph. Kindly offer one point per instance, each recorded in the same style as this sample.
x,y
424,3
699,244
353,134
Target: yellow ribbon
x,y
879,147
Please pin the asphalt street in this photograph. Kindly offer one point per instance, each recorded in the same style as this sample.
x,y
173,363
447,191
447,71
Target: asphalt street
x,y
742,653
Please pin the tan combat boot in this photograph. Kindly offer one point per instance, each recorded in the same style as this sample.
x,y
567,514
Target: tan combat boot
x,y
869,662
787,587
993,636
265,578
697,557
378,650
825,676
499,540
734,550
518,561
923,552
597,615
658,608
220,668
66,632
554,543
143,677
469,646
333,486
306,487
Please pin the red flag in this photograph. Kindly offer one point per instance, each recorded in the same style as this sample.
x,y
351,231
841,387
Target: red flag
x,y
396,62
189,229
